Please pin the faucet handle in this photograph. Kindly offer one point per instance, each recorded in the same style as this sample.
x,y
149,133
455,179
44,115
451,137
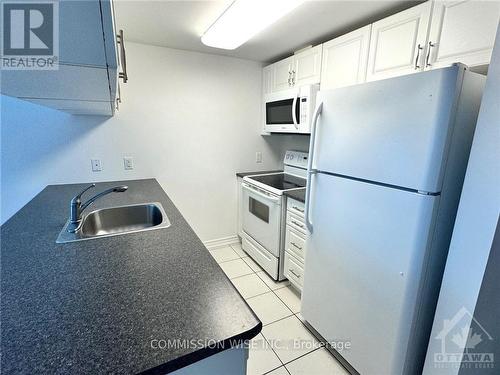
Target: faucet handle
x,y
79,195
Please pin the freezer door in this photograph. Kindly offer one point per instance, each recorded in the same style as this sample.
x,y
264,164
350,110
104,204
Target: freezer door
x,y
363,267
394,131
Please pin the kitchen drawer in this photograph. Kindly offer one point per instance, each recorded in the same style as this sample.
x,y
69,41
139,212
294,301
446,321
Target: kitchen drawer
x,y
295,207
293,270
296,222
264,258
295,243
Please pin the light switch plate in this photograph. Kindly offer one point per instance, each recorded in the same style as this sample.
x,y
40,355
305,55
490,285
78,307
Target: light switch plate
x,y
96,165
128,163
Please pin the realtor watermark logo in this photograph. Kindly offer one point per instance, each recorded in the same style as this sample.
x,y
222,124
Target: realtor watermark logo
x,y
463,344
30,35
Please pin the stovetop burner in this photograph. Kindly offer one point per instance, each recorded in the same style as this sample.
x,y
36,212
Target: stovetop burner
x,y
281,181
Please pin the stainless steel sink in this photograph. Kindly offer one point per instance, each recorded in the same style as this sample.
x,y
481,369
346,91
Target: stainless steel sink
x,y
116,221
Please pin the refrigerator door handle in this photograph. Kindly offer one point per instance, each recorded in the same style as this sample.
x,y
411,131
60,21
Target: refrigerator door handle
x,y
307,217
310,170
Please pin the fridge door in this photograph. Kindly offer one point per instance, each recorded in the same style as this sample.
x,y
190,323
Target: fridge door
x,y
363,267
394,131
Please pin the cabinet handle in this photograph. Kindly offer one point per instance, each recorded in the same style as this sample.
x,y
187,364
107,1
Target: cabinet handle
x,y
295,245
419,48
427,63
297,223
289,78
118,99
298,209
123,59
293,77
294,273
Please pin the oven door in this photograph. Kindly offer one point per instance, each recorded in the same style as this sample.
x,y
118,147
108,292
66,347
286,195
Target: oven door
x,y
262,217
282,111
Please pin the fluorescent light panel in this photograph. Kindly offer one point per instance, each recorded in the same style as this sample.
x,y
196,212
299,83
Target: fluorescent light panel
x,y
245,18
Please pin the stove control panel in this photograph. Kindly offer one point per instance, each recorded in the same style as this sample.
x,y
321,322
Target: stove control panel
x,y
296,159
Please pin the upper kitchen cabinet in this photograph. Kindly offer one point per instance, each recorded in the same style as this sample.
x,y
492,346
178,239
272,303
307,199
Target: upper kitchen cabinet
x,y
307,67
81,34
398,43
85,80
345,59
462,31
282,74
267,79
300,69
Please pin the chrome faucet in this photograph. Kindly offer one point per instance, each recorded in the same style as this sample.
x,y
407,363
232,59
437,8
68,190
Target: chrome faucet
x,y
76,206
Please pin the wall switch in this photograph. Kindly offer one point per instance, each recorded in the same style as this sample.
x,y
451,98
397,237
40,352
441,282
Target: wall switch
x,y
258,157
128,163
96,165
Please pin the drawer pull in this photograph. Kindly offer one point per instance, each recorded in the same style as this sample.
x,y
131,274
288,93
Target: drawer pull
x,y
295,245
298,209
297,223
294,273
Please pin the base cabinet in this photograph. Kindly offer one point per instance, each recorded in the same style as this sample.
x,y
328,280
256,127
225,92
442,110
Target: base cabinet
x,y
231,361
295,243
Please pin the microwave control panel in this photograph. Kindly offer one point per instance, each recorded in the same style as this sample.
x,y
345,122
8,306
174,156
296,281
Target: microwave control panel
x,y
304,109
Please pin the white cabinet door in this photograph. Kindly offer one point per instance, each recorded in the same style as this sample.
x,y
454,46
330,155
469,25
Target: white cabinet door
x,y
81,39
307,67
267,79
462,31
282,74
398,43
345,59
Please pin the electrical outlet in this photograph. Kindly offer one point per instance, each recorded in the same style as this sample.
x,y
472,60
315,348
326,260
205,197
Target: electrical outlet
x,y
96,165
128,163
258,157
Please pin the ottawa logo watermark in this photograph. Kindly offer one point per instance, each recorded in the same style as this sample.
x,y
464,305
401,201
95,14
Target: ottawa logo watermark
x,y
463,343
30,35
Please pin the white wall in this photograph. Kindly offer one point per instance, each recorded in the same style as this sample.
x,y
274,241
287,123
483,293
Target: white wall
x,y
475,224
191,120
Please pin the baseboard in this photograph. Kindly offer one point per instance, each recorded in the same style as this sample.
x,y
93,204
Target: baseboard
x,y
221,242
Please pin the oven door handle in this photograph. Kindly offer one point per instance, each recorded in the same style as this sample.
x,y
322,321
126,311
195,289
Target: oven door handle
x,y
294,110
261,194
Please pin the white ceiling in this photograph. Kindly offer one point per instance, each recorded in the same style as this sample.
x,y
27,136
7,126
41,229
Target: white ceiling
x,y
180,24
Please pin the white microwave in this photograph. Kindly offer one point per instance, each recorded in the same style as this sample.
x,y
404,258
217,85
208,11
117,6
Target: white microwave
x,y
290,111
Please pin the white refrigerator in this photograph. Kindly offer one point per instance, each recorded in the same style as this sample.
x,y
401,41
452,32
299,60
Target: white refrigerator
x,y
387,161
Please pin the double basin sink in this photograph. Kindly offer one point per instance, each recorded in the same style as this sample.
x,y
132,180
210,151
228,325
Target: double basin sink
x,y
118,220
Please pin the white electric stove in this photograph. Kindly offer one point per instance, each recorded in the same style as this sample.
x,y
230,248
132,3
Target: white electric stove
x,y
264,209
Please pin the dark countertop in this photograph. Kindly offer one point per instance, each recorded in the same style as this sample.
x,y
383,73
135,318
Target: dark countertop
x,y
299,194
243,174
94,306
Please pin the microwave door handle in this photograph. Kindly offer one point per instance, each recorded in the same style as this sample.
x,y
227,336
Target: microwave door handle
x,y
294,110
310,170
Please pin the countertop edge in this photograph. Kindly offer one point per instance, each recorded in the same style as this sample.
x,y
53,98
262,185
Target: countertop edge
x,y
201,354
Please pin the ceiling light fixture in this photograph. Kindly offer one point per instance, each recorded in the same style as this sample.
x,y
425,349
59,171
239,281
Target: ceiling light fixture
x,y
243,19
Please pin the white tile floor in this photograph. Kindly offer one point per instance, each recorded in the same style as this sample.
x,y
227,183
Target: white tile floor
x,y
285,346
